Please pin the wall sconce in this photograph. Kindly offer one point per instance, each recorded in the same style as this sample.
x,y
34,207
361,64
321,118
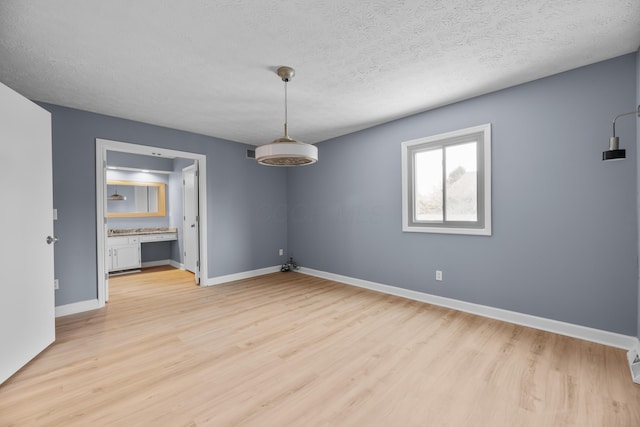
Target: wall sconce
x,y
614,152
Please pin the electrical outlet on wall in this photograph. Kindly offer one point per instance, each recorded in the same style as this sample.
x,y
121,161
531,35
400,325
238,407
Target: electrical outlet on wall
x,y
439,275
280,252
56,284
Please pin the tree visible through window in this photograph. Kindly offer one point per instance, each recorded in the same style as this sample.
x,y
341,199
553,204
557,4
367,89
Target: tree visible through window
x,y
446,182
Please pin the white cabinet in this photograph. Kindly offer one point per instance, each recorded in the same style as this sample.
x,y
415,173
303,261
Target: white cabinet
x,y
158,237
124,253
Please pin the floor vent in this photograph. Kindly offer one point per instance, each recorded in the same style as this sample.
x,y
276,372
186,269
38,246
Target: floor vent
x,y
251,154
634,363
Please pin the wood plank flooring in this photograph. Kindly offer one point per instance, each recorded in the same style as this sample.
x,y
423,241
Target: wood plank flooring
x,y
287,349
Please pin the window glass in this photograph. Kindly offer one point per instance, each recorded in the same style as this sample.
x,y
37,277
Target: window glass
x,y
428,186
462,182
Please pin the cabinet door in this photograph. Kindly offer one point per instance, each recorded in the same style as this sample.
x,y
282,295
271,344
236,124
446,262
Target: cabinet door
x,y
126,256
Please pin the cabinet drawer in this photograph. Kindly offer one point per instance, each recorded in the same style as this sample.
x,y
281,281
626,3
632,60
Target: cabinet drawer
x,y
158,237
123,240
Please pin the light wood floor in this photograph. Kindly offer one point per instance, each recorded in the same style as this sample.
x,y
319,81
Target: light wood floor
x,y
292,350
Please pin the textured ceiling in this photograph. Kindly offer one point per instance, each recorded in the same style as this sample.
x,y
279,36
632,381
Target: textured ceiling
x,y
209,66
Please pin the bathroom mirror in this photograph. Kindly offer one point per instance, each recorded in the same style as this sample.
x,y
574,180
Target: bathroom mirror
x,y
135,199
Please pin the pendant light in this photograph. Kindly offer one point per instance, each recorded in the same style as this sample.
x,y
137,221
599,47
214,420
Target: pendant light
x,y
116,196
286,151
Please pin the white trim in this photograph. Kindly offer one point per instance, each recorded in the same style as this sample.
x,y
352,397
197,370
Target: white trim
x,y
576,331
243,275
78,307
104,145
101,223
161,262
122,272
124,168
177,265
156,263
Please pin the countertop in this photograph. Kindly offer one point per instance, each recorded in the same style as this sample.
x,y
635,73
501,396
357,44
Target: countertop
x,y
144,230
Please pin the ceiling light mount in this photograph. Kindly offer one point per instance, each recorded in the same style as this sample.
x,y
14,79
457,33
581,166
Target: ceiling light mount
x,y
615,152
286,151
286,73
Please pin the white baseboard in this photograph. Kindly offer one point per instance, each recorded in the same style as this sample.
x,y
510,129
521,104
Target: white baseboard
x,y
78,307
176,264
157,263
160,262
576,331
212,281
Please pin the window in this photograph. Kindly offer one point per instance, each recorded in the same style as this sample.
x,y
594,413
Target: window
x,y
446,182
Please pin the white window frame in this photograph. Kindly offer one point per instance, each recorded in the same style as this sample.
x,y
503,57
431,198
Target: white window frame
x,y
484,182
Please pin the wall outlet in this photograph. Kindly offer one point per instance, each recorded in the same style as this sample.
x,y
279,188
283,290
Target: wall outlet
x,y
56,285
280,252
439,275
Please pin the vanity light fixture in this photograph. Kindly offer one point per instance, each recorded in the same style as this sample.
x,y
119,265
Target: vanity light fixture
x,y
615,152
116,196
286,151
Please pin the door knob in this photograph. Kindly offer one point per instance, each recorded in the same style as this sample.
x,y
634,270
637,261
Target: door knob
x,y
51,240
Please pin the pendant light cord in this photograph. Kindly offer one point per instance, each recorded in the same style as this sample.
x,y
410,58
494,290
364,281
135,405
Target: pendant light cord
x,y
286,130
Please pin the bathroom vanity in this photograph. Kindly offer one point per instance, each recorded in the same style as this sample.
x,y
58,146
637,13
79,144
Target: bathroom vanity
x,y
124,245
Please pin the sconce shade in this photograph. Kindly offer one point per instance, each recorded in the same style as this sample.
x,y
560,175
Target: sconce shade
x,y
614,153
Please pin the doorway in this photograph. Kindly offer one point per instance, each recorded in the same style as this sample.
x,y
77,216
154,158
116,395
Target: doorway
x,y
102,147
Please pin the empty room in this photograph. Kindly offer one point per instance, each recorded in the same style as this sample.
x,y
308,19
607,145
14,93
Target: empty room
x,y
334,213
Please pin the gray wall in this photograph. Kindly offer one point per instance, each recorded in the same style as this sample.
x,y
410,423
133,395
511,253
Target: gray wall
x,y
243,233
565,239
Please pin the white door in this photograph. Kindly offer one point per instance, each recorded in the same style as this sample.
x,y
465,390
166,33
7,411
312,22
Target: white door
x,y
27,306
190,226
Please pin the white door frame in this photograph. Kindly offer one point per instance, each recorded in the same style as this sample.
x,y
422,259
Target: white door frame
x,y
104,145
